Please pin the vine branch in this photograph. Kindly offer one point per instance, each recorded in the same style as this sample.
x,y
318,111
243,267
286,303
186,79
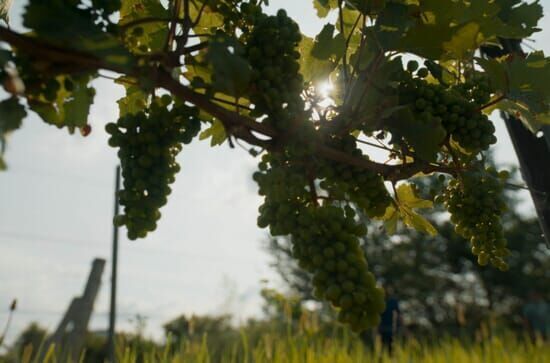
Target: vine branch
x,y
239,126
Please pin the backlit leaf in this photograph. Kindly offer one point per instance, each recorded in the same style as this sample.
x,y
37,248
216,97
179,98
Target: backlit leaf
x,y
216,133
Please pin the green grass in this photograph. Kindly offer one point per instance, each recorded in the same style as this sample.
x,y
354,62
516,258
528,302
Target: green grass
x,y
302,349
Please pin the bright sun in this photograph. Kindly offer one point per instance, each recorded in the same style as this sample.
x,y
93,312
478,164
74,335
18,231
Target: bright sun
x,y
324,89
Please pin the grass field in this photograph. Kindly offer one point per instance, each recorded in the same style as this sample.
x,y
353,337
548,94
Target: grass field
x,y
304,348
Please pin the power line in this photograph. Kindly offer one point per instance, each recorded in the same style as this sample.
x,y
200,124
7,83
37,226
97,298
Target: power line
x,y
62,176
38,238
97,183
98,313
35,238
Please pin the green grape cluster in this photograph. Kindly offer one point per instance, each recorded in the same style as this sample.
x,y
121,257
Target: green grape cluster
x,y
326,244
271,49
476,89
325,240
148,143
363,187
476,203
455,110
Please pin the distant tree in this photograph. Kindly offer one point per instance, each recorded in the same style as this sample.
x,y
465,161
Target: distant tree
x,y
27,344
194,327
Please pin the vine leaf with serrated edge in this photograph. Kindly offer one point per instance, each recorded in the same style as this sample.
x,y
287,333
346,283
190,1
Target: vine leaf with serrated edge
x,y
403,208
444,30
523,82
312,68
79,31
154,34
232,73
70,107
327,45
216,133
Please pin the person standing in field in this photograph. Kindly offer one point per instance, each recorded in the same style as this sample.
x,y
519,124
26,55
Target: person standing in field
x,y
536,316
390,320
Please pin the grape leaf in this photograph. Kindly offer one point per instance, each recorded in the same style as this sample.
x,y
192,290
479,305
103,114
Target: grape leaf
x,y
233,104
406,201
135,99
12,114
367,7
426,40
328,47
209,21
423,136
521,111
312,68
392,24
446,30
154,34
71,107
441,72
372,91
523,16
406,196
349,19
524,83
323,7
216,133
231,71
390,218
79,30
464,40
199,68
418,222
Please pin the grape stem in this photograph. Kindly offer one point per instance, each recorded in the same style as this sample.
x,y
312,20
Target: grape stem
x,y
524,187
240,126
194,48
313,191
148,20
374,145
454,157
176,8
396,201
345,55
492,103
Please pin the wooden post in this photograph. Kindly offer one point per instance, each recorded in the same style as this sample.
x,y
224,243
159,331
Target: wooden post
x,y
70,334
534,159
533,152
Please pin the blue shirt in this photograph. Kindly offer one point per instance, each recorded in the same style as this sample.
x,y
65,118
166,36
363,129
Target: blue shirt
x,y
386,319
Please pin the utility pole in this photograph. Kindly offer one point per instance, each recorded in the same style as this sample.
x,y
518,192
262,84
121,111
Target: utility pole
x,y
111,344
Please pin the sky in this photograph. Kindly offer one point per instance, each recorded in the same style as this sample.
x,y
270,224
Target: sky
x,y
206,257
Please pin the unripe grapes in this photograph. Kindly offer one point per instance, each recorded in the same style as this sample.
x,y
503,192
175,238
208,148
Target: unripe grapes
x,y
475,203
324,240
149,142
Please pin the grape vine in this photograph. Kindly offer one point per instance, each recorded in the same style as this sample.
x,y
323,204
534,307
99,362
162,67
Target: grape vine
x,y
252,76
